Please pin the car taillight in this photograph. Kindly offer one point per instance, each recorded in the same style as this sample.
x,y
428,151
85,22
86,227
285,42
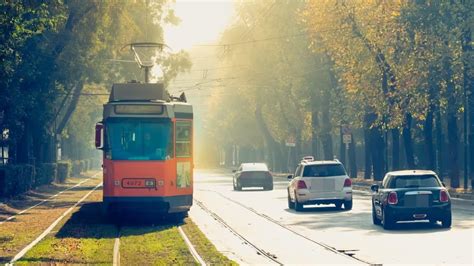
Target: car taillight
x,y
392,198
443,196
347,182
301,184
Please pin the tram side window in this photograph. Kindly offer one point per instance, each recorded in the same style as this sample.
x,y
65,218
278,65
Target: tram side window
x,y
183,139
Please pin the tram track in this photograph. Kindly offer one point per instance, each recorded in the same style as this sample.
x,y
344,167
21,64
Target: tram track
x,y
346,253
50,228
48,199
220,220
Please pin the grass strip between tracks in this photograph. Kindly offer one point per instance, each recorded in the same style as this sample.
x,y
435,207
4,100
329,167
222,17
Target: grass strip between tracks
x,y
153,245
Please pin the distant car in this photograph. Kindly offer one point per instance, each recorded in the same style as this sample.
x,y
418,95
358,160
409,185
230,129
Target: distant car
x,y
319,182
410,195
253,175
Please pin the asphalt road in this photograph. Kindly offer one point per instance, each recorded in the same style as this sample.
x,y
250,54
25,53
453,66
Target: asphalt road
x,y
245,224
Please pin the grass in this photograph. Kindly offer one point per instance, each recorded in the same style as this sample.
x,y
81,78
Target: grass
x,y
19,232
82,238
154,245
206,249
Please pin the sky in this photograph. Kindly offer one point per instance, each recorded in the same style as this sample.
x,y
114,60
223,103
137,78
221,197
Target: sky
x,y
202,21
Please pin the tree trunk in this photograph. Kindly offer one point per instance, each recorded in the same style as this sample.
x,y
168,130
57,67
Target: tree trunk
x,y
326,127
469,88
395,148
439,144
453,139
270,143
342,148
367,149
314,126
352,158
430,153
71,108
24,146
378,153
407,140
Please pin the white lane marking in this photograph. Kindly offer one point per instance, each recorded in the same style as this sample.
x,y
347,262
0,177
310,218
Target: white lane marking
x,y
116,260
191,247
51,227
46,200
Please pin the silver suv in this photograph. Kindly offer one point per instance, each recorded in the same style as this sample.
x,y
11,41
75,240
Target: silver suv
x,y
319,182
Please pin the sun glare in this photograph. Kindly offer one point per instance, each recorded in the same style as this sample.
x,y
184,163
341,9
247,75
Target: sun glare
x,y
202,21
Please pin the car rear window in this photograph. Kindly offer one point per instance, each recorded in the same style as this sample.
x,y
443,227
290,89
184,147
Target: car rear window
x,y
323,170
254,167
414,181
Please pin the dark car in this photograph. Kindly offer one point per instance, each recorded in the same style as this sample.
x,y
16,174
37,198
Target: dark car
x,y
253,175
408,196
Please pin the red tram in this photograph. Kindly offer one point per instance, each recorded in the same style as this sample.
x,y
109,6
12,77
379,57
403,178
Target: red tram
x,y
147,142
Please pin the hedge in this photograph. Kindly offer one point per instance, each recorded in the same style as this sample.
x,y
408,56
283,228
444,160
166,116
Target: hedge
x,y
46,173
64,171
16,179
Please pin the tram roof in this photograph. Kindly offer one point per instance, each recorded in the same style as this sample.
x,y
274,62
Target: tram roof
x,y
138,92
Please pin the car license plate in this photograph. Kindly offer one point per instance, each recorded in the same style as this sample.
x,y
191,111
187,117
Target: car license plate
x,y
138,183
417,201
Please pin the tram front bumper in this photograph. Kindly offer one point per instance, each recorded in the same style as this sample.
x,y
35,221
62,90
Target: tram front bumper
x,y
172,204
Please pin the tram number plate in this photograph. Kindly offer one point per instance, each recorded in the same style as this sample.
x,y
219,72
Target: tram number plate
x,y
138,183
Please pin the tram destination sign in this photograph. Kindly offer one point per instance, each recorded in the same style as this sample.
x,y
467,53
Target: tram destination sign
x,y
139,109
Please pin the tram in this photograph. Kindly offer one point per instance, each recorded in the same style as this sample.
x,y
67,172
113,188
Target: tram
x,y
147,141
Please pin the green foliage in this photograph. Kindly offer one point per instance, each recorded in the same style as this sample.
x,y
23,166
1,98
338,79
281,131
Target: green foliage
x,y
50,50
16,179
46,173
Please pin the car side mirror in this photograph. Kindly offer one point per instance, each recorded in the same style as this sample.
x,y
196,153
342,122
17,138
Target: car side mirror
x,y
290,177
374,188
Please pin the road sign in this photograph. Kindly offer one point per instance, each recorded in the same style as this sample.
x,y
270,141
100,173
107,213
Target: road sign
x,y
290,142
346,130
347,138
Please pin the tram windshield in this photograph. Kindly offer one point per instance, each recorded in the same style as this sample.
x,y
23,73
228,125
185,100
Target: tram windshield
x,y
139,139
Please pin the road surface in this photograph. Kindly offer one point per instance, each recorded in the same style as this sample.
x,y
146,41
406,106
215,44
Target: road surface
x,y
256,227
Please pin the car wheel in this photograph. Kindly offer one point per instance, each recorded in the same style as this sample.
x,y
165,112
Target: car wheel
x,y
388,221
338,205
291,205
298,206
375,219
348,205
447,220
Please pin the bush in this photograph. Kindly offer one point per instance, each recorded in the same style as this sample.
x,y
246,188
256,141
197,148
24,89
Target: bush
x,y
83,166
46,173
64,171
88,165
16,179
76,168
